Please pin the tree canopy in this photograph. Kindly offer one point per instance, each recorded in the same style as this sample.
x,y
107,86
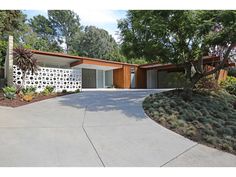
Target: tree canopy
x,y
11,23
66,24
179,37
95,42
59,31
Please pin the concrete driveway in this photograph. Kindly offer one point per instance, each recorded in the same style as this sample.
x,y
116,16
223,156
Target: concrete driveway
x,y
96,128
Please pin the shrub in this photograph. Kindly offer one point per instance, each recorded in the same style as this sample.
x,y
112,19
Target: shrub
x,y
9,92
232,72
227,147
211,139
64,91
208,83
77,91
48,90
229,85
28,97
28,90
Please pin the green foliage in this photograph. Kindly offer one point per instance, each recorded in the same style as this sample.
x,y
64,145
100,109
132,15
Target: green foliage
x,y
39,34
77,91
48,90
3,48
139,61
97,43
28,90
12,22
172,36
9,92
66,24
179,37
232,72
64,91
115,55
42,26
229,84
209,118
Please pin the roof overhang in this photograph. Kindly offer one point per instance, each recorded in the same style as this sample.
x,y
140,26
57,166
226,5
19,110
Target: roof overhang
x,y
206,60
55,60
77,61
91,64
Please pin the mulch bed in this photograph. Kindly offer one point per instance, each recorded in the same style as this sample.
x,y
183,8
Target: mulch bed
x,y
19,102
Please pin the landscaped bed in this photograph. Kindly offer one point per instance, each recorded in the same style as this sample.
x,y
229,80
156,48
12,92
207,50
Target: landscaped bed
x,y
18,101
208,118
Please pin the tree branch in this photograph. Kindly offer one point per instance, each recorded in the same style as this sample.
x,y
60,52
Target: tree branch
x,y
221,65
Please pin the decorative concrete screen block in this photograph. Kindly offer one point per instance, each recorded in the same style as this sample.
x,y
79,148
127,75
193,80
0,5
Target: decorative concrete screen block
x,y
60,79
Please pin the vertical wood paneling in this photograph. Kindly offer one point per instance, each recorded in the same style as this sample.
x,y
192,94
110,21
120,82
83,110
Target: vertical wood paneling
x,y
141,78
122,77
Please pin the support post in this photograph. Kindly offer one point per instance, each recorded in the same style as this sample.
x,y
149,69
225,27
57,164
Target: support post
x,y
9,62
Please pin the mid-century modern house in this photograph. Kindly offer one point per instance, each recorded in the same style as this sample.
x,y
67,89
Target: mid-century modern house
x,y
70,72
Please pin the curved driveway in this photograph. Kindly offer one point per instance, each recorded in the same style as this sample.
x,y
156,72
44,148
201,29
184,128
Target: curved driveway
x,y
96,128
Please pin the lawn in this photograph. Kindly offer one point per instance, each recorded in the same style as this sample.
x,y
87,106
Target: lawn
x,y
208,118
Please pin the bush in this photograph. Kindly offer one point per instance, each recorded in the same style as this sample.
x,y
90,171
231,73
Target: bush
x,y
208,83
9,92
77,91
28,97
48,90
64,91
229,85
29,90
232,72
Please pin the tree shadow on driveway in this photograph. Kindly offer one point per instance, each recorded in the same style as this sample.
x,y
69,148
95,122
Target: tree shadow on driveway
x,y
128,103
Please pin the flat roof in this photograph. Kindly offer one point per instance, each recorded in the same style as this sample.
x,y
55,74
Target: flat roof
x,y
79,57
206,60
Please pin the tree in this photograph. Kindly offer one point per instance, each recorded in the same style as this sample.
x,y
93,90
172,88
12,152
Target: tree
x,y
97,43
180,37
11,23
67,24
41,35
24,59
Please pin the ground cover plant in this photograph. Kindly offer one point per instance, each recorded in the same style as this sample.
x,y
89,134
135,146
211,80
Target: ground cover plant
x,y
208,117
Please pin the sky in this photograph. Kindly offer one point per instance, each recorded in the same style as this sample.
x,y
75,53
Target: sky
x,y
105,19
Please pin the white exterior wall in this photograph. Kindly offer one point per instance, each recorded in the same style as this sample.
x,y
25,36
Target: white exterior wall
x,y
60,79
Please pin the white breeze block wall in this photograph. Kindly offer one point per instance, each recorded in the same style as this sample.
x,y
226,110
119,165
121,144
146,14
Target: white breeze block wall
x,y
60,79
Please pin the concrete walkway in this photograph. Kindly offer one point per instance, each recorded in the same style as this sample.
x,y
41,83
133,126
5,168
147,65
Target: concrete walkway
x,y
96,128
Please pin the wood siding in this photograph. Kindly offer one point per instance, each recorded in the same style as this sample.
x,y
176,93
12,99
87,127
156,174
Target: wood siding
x,y
122,77
141,78
220,75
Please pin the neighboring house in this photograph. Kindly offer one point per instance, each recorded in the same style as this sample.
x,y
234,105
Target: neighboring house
x,y
74,72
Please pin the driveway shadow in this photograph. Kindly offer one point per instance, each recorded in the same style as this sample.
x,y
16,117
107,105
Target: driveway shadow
x,y
128,103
